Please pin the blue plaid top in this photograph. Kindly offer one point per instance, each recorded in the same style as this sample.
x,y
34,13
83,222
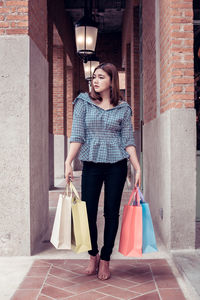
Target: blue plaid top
x,y
104,134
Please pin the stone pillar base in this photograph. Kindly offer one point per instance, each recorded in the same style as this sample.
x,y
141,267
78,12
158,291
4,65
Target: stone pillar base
x,y
169,167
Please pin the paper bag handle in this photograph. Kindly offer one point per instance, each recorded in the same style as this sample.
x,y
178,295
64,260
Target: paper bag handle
x,y
134,191
72,189
67,190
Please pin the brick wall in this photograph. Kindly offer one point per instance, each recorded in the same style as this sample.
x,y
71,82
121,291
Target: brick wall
x,y
69,85
176,56
13,17
149,60
177,69
128,74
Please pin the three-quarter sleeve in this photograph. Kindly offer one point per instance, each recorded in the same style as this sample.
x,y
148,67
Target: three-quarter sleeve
x,y
127,134
78,124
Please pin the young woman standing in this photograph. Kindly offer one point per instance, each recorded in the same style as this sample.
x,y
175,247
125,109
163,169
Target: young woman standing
x,y
102,131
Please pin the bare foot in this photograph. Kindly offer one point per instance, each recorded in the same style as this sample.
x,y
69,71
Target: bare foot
x,y
93,265
104,272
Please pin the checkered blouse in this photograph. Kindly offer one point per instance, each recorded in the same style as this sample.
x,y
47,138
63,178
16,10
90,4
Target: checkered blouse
x,y
104,134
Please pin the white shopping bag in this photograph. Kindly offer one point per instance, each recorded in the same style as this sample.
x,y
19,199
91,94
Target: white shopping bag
x,y
61,233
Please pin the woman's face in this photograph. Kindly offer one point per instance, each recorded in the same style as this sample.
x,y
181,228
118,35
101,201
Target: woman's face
x,y
101,81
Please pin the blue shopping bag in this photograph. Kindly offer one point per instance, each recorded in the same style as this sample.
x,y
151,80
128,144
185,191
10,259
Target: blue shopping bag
x,y
148,235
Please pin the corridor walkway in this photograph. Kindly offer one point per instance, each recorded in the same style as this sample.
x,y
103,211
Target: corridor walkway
x,y
52,274
131,279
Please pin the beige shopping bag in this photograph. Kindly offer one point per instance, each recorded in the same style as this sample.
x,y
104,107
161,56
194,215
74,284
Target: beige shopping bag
x,y
80,229
61,233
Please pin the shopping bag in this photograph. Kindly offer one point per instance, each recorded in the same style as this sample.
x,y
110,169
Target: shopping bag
x,y
61,232
131,229
148,235
80,228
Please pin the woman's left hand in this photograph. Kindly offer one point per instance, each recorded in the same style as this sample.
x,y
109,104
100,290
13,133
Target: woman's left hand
x,y
137,178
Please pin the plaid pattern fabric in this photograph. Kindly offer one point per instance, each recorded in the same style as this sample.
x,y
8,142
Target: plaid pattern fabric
x,y
104,134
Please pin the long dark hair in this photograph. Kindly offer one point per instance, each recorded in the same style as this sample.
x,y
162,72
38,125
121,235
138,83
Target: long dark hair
x,y
115,95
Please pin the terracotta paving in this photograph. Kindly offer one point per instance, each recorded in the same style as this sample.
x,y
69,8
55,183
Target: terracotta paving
x,y
50,279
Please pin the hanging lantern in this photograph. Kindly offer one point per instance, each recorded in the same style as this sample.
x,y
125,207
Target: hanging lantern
x,y
86,36
90,63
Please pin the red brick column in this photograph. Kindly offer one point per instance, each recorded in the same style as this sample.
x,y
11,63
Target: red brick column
x,y
176,56
128,73
69,100
58,85
136,71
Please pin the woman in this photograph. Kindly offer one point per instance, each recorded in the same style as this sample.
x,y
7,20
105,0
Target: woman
x,y
102,131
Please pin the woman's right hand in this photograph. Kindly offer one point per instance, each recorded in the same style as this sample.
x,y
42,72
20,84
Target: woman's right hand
x,y
68,173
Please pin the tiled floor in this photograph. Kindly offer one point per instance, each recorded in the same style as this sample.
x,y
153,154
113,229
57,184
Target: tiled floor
x,y
131,279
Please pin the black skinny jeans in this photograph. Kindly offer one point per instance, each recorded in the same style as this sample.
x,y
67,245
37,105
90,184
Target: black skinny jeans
x,y
114,176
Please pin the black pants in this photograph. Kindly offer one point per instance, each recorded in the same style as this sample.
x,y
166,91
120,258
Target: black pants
x,y
114,176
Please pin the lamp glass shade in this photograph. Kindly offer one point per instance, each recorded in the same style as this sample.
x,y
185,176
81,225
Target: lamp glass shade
x,y
89,68
86,37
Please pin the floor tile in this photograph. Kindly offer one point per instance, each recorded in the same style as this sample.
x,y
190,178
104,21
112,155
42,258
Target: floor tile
x,y
160,270
55,292
122,283
38,271
40,263
32,283
120,273
42,297
157,262
140,278
83,279
61,273
144,287
139,269
58,282
109,298
89,285
150,296
25,295
118,292
166,281
87,296
172,294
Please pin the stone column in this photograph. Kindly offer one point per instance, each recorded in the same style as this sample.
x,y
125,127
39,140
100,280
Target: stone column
x,y
24,127
170,176
170,121
24,145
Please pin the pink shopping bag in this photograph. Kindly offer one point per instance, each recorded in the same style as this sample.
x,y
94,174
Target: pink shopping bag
x,y
131,230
